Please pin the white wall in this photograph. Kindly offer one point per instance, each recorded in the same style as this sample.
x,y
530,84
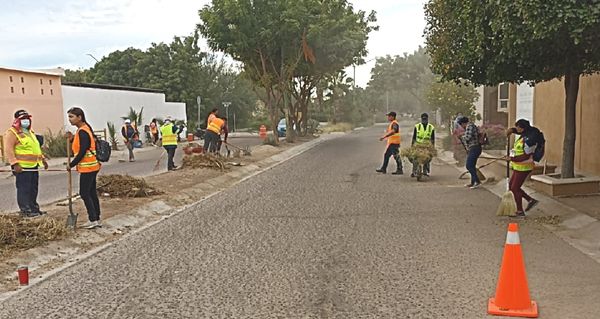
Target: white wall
x,y
479,104
525,102
102,105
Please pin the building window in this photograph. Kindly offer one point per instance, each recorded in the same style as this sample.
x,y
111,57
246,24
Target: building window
x,y
22,80
12,89
51,92
42,91
41,81
10,77
50,82
23,90
503,97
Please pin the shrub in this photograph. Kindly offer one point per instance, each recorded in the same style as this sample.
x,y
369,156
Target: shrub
x,y
55,145
496,135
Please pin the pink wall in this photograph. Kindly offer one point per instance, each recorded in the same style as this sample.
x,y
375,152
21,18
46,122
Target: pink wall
x,y
46,108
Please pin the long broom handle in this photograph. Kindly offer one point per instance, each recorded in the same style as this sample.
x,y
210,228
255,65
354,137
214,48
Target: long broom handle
x,y
70,184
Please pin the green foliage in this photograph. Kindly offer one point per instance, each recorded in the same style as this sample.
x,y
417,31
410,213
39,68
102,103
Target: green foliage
x,y
401,82
75,76
496,135
135,116
55,145
451,98
112,136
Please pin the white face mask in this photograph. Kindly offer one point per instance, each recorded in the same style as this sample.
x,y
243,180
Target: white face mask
x,y
25,123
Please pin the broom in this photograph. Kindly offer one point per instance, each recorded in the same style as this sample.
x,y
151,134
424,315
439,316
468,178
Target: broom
x,y
508,206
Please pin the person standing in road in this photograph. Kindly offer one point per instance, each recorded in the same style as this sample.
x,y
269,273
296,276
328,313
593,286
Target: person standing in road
x,y
470,140
393,145
84,152
24,154
423,134
169,133
522,163
129,132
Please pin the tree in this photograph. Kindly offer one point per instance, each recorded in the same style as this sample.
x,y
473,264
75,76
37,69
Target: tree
x,y
517,41
451,98
286,46
401,81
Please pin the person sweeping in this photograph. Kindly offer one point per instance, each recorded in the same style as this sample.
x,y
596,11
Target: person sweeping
x,y
522,163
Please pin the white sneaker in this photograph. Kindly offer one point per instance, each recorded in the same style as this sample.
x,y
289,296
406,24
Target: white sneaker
x,y
98,224
90,225
476,185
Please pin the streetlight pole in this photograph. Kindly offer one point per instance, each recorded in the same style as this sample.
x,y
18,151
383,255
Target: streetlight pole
x,y
226,105
92,57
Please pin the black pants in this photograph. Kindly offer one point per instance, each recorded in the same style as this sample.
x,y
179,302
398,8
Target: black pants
x,y
392,150
27,191
89,194
210,141
170,155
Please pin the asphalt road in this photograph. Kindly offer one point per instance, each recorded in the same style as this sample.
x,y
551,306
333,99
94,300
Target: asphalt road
x,y
53,185
321,236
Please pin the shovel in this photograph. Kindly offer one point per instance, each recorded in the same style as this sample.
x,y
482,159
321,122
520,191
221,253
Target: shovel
x,y
245,150
72,218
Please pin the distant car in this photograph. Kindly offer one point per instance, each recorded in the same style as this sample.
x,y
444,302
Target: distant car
x,y
281,127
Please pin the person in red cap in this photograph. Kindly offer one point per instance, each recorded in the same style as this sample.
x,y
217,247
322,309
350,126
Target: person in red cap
x,y
24,154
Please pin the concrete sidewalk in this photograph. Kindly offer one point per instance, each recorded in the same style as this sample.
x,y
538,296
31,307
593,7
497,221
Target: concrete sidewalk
x,y
573,219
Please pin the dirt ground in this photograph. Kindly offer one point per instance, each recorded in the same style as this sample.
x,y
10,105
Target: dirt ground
x,y
177,190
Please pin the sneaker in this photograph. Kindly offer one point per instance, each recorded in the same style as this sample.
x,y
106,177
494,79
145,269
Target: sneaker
x,y
98,224
379,170
90,225
468,185
29,214
474,186
520,214
398,172
531,204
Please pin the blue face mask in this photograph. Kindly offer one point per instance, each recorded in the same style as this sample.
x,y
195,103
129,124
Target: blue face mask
x,y
25,123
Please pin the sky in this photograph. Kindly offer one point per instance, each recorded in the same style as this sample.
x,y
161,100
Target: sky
x,y
36,34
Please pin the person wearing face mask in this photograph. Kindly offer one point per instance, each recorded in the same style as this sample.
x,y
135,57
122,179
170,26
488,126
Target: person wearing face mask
x,y
24,154
423,134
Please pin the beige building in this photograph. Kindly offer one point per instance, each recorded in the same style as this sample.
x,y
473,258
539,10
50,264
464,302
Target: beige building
x,y
548,114
37,91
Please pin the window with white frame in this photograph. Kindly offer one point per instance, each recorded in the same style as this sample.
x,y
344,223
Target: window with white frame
x,y
503,97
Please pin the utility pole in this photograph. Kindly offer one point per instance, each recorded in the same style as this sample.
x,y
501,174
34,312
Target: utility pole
x,y
226,105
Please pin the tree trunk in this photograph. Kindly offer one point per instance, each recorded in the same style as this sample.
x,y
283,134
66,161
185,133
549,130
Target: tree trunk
x,y
568,158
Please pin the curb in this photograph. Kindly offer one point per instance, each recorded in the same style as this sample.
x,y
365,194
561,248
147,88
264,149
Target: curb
x,y
159,211
577,229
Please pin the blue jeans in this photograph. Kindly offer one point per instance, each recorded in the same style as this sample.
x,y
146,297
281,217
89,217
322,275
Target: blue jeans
x,y
474,153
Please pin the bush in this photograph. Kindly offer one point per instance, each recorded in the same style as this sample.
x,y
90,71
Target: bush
x,y
496,135
270,140
55,145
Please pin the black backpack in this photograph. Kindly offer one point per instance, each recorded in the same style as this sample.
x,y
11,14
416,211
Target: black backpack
x,y
103,150
539,141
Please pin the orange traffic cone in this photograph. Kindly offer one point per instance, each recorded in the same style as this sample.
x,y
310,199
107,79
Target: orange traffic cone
x,y
512,294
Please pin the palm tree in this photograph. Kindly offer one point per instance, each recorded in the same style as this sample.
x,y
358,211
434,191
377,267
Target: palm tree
x,y
112,134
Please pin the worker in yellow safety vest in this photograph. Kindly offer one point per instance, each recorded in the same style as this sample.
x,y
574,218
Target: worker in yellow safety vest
x,y
169,133
393,145
423,134
24,154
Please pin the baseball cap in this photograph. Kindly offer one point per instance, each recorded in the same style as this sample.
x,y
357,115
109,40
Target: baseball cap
x,y
391,114
21,114
127,121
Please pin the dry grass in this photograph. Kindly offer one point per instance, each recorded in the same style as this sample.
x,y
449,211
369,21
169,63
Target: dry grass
x,y
18,234
125,186
203,161
420,153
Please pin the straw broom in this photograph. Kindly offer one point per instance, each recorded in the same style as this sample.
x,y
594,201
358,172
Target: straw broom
x,y
508,206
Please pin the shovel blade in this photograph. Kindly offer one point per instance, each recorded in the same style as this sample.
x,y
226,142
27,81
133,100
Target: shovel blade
x,y
71,221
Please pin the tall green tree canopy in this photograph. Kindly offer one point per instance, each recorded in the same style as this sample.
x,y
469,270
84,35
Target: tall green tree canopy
x,y
488,42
